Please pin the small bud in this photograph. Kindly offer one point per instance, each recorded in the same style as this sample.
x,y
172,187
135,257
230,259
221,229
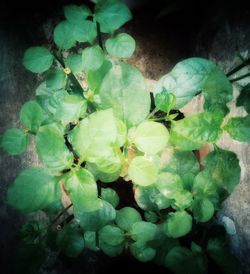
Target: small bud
x,y
67,70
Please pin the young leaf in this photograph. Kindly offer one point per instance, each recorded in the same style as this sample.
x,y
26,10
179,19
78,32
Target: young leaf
x,y
37,59
90,240
182,200
74,62
121,46
76,14
111,235
14,141
169,184
95,220
82,189
142,252
70,240
165,101
150,198
85,31
122,88
143,231
71,108
244,98
111,14
52,150
109,195
31,116
203,210
194,131
178,224
32,190
56,79
64,35
186,79
92,58
126,217
239,128
151,137
142,171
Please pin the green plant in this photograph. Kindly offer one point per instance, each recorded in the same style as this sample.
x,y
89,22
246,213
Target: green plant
x,y
104,133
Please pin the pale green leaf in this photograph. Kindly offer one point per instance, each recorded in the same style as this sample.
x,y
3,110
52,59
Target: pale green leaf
x,y
122,45
32,190
182,200
126,217
74,62
142,171
112,14
76,14
122,88
64,35
31,116
37,59
85,31
143,231
151,137
14,141
92,58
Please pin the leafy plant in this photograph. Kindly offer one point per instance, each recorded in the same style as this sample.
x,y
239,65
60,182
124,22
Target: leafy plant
x,y
89,137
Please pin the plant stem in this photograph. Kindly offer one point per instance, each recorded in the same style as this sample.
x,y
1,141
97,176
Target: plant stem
x,y
239,67
151,114
99,35
240,77
60,214
72,77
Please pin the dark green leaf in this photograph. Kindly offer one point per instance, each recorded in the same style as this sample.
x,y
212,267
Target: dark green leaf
x,y
239,128
56,79
76,14
14,141
244,98
142,252
112,14
111,235
90,240
143,231
109,195
203,210
126,217
111,251
32,190
84,32
37,59
31,116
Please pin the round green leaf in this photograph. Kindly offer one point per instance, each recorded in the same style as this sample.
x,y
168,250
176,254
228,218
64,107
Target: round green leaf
x,y
14,141
122,88
150,198
90,240
32,190
169,184
31,116
122,45
92,58
85,31
239,128
111,15
109,195
165,101
111,251
76,14
178,224
64,35
74,62
37,59
70,240
142,171
182,200
51,149
142,252
82,189
126,217
56,79
143,231
111,235
151,137
203,210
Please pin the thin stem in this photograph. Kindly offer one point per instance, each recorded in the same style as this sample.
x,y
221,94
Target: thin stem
x,y
99,35
151,114
72,77
239,67
240,77
60,214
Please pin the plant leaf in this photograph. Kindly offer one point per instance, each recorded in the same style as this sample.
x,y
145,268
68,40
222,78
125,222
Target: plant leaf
x,y
92,58
122,88
111,235
151,137
142,171
110,195
111,14
64,35
32,190
203,210
165,101
239,128
76,14
56,79
37,59
52,150
74,62
126,217
121,46
142,252
143,231
244,98
14,141
194,131
84,31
